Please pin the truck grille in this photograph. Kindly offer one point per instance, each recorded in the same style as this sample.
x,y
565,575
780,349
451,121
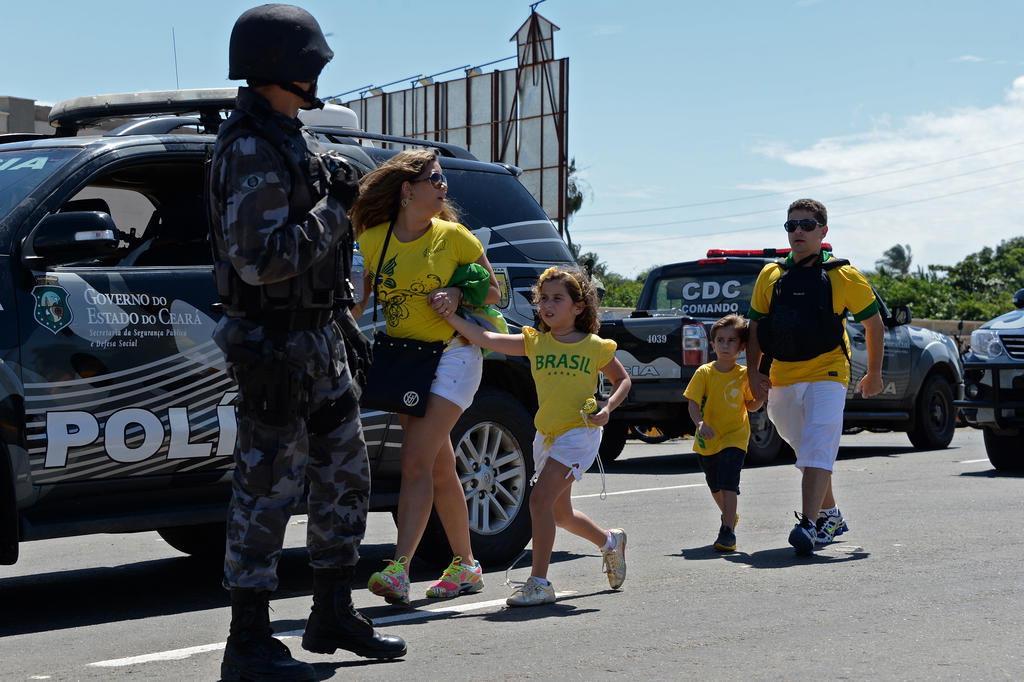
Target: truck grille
x,y
1014,345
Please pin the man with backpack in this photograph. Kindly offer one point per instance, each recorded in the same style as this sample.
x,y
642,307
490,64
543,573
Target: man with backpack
x,y
798,323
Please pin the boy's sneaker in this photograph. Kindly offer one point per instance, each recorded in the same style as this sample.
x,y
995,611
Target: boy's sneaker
x,y
613,561
830,525
532,593
457,579
726,541
392,583
803,536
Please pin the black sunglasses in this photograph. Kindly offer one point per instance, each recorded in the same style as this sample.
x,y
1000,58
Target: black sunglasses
x,y
437,179
806,224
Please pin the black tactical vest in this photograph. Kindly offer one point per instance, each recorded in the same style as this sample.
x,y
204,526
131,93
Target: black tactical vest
x,y
801,323
302,302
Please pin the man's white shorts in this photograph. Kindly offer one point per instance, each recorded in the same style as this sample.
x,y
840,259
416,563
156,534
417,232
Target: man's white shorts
x,y
809,416
576,449
458,374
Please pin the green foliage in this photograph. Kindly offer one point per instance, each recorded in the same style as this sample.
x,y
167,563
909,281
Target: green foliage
x,y
621,292
979,287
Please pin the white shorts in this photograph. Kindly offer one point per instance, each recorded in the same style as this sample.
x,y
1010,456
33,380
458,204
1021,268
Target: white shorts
x,y
576,449
809,416
458,374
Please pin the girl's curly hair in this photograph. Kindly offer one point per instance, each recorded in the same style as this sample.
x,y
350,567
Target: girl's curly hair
x,y
380,190
581,290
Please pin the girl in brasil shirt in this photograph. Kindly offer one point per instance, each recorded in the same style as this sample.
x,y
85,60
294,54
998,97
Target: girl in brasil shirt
x,y
565,358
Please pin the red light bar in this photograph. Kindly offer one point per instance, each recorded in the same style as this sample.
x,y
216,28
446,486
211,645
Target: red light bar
x,y
712,261
757,253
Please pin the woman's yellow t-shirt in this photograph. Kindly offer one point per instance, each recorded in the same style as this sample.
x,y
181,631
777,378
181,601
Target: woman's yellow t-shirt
x,y
565,375
411,270
722,397
850,291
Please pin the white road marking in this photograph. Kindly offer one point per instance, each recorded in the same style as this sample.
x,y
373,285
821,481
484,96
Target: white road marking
x,y
973,461
640,490
420,614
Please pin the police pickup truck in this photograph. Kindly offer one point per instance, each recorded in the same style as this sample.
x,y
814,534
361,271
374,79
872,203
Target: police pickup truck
x,y
665,339
994,386
116,412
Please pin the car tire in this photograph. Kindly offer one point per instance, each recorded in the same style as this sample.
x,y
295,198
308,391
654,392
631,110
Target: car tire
x,y
1006,453
613,441
935,416
495,434
765,444
203,541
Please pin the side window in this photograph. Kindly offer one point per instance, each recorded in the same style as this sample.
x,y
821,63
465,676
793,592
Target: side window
x,y
129,209
158,205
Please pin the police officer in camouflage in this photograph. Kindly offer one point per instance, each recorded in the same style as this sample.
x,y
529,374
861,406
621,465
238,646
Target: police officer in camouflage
x,y
282,248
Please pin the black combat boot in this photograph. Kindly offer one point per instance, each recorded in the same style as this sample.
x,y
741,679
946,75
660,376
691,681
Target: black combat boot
x,y
335,624
252,653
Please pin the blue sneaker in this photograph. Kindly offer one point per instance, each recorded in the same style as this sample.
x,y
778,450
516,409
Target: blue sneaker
x,y
803,535
830,525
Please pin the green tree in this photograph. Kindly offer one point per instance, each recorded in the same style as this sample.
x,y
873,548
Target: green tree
x,y
895,260
979,287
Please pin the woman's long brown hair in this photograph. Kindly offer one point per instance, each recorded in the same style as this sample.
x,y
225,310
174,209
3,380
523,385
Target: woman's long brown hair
x,y
380,191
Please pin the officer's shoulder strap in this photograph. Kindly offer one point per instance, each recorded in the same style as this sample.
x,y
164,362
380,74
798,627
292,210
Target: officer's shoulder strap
x,y
833,263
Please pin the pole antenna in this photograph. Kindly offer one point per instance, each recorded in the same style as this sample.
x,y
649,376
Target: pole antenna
x,y
174,47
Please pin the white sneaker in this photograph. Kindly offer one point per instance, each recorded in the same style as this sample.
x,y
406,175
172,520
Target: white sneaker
x,y
532,593
614,560
830,526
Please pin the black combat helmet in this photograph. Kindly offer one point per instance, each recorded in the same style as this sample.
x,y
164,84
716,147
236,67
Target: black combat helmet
x,y
1018,299
279,44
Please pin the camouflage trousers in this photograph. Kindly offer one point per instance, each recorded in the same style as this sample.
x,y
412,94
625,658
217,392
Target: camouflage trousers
x,y
275,466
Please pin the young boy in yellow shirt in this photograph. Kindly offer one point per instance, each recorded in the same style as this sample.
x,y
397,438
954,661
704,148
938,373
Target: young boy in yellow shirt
x,y
719,399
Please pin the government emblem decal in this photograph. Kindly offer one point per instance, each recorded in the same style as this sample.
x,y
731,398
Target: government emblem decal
x,y
52,309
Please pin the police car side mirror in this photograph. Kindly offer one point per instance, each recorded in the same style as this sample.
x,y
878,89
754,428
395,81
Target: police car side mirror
x,y
72,237
900,315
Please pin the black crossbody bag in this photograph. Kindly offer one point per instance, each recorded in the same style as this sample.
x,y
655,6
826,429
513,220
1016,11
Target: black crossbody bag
x,y
402,369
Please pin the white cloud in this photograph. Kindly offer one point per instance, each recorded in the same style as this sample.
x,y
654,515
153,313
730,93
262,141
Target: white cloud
x,y
943,217
969,58
948,183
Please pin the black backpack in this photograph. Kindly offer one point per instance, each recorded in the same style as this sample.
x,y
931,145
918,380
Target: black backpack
x,y
801,324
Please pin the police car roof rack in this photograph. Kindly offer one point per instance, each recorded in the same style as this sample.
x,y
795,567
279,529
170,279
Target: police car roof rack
x,y
69,116
449,150
162,125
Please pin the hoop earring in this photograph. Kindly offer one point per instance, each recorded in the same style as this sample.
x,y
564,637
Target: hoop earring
x,y
405,202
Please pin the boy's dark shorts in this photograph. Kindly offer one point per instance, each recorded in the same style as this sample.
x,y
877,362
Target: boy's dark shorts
x,y
722,469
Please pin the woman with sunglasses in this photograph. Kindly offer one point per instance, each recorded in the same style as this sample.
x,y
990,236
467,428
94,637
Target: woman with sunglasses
x,y
409,194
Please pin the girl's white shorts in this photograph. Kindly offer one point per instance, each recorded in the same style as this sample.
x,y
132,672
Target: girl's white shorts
x,y
576,449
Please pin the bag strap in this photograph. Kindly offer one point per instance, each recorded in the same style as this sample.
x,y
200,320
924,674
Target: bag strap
x,y
376,273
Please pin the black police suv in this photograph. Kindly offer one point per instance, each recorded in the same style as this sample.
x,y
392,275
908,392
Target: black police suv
x,y
116,414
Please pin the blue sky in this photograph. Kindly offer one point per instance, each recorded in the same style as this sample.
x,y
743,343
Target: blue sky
x,y
904,116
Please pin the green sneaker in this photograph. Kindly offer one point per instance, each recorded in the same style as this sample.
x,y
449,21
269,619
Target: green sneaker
x,y
392,583
457,579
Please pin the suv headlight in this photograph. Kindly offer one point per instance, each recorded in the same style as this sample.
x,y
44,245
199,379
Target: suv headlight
x,y
986,344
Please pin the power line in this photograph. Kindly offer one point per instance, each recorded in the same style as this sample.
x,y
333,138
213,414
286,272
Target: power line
x,y
808,187
827,201
775,227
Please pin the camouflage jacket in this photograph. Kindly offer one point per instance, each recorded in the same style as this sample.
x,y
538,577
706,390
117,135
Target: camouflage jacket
x,y
263,235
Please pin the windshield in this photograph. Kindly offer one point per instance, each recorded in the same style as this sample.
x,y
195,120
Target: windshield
x,y
23,170
704,296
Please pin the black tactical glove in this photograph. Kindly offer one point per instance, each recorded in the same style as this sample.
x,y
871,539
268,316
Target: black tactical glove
x,y
344,180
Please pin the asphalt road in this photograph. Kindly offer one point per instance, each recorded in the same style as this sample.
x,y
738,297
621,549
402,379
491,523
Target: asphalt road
x,y
927,584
